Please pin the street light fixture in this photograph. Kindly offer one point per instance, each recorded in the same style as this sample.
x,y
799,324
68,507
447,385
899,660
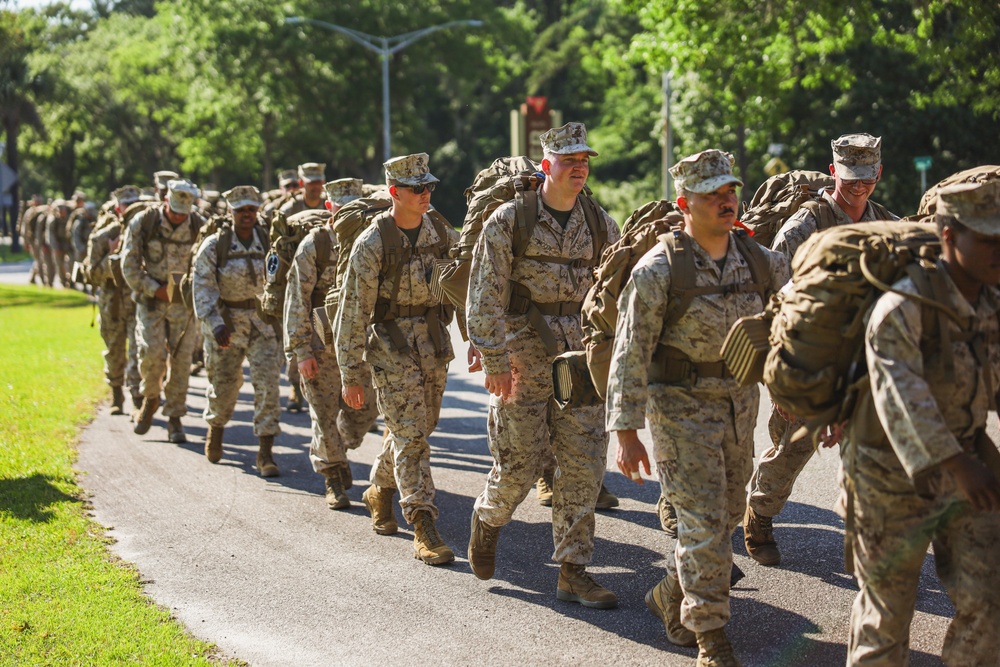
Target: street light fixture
x,y
384,47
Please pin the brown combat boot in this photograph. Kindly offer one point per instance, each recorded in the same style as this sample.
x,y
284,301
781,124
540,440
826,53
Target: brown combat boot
x,y
668,516
664,600
144,416
136,400
117,401
336,497
482,547
758,535
265,462
427,543
175,432
294,399
714,649
575,585
543,490
378,501
605,499
213,443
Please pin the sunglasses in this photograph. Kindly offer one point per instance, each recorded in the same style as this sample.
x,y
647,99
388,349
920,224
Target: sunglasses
x,y
419,189
865,181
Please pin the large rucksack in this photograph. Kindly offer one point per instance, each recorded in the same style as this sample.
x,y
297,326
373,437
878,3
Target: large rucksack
x,y
286,235
779,197
981,174
815,366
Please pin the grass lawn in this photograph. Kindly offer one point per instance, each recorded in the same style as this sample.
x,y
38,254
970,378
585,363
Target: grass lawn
x,y
7,256
64,598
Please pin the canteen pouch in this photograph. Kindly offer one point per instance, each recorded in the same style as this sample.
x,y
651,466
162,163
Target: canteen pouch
x,y
321,326
745,349
571,383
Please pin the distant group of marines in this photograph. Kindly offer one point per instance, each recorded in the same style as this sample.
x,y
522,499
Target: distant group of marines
x,y
391,349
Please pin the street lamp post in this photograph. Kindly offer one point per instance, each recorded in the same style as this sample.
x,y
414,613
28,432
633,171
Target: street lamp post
x,y
384,47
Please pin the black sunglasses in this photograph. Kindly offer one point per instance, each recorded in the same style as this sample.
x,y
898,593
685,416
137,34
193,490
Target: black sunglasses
x,y
867,181
419,189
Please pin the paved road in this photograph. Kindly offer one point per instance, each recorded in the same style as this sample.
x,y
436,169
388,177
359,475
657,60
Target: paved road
x,y
263,569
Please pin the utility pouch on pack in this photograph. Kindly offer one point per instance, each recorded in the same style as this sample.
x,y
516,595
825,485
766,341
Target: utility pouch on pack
x,y
187,291
116,270
571,383
745,349
322,326
174,293
439,266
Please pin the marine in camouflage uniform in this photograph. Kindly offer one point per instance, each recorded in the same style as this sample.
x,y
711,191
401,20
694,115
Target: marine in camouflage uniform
x,y
702,431
312,177
288,180
32,242
856,168
524,423
917,466
115,305
164,330
226,285
335,426
56,238
403,339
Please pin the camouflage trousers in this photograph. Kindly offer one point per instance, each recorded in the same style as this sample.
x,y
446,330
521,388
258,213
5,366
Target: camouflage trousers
x,y
117,320
524,432
779,466
703,446
893,527
330,440
225,378
48,266
164,336
409,398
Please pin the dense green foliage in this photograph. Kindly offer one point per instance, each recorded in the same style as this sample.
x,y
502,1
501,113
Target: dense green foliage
x,y
226,92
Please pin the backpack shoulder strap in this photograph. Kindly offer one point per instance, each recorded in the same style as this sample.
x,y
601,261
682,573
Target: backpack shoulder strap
x,y
597,226
881,212
323,249
822,212
527,205
760,267
222,245
680,257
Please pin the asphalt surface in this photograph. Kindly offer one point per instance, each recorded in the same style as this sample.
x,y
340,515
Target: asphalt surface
x,y
264,570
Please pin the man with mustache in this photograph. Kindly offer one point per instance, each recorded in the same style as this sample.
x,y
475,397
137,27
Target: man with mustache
x,y
856,169
668,368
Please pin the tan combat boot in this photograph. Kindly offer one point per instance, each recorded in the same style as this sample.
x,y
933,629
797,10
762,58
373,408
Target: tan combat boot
x,y
117,401
714,650
758,535
427,543
265,462
605,499
668,516
213,443
543,490
144,416
664,600
575,585
482,547
336,497
294,399
378,500
175,432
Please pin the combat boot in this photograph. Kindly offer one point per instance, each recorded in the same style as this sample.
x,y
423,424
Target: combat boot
x,y
575,585
482,547
213,443
758,535
117,401
144,416
714,649
427,543
265,462
294,399
668,516
136,400
605,499
664,600
336,497
543,490
378,501
175,432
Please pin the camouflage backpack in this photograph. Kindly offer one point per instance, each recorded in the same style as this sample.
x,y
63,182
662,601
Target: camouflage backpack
x,y
928,203
780,196
815,367
286,235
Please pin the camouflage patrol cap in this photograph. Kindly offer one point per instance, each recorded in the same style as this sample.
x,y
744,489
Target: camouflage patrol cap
x,y
312,171
243,195
126,194
570,138
181,194
409,170
288,177
161,178
974,205
79,195
857,156
59,203
343,190
704,172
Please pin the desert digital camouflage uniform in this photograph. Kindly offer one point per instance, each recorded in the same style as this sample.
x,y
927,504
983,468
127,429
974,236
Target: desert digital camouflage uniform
x,y
932,416
523,429
57,241
409,384
163,330
227,296
33,241
80,223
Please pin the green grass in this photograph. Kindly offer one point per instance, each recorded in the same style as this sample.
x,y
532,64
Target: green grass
x,y
7,256
64,598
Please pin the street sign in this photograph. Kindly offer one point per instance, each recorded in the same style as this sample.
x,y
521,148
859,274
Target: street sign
x,y
922,163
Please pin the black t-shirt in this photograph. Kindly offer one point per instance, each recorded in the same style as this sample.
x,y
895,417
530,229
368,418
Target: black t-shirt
x,y
562,217
412,234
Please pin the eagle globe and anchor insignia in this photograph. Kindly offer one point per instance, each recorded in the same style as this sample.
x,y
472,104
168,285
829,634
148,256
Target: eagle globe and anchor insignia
x,y
273,264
